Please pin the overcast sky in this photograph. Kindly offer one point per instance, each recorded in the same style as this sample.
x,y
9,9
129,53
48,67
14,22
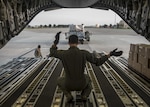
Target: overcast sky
x,y
86,16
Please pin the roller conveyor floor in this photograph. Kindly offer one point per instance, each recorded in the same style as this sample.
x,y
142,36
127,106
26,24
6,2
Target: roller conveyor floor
x,y
35,85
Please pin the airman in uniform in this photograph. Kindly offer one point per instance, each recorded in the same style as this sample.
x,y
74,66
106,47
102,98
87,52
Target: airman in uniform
x,y
74,61
37,52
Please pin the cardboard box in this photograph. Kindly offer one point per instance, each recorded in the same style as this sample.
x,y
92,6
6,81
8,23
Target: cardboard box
x,y
135,57
144,50
130,56
146,71
139,58
136,48
137,67
142,59
147,52
130,63
132,47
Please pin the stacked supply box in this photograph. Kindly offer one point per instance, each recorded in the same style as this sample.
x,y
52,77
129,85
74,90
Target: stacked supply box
x,y
139,58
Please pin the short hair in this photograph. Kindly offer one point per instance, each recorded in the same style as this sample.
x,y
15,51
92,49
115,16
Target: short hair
x,y
73,39
39,46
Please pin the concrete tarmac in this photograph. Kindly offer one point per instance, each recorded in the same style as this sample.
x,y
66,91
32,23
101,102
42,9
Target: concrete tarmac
x,y
101,40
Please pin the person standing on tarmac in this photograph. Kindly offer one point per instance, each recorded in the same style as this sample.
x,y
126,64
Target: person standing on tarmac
x,y
74,61
37,52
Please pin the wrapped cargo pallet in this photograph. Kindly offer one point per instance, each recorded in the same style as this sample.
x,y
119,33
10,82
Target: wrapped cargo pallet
x,y
139,58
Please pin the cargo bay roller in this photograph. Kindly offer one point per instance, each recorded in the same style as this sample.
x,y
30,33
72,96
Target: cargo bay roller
x,y
16,14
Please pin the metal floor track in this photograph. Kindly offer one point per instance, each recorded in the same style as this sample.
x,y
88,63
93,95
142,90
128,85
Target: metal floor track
x,y
30,82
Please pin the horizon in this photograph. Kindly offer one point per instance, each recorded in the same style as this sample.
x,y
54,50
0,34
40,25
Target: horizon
x,y
87,16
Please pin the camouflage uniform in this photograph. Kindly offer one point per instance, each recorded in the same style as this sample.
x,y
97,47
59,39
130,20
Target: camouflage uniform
x,y
74,61
37,53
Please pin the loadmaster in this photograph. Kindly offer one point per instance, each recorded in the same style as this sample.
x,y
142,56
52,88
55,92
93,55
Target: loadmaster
x,y
74,61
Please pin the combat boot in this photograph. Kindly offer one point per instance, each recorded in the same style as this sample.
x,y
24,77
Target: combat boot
x,y
84,98
69,98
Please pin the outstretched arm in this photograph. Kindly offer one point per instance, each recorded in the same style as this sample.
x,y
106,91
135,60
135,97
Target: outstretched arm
x,y
53,50
56,41
116,53
99,61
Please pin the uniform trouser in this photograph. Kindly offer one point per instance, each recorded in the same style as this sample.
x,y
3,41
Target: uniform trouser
x,y
85,92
